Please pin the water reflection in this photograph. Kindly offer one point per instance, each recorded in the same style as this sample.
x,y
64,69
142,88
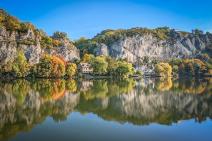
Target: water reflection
x,y
24,104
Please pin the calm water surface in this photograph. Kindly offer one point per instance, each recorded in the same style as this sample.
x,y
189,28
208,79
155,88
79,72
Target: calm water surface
x,y
149,110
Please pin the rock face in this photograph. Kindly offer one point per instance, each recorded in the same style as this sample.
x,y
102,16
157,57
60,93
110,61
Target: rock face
x,y
13,41
176,45
102,50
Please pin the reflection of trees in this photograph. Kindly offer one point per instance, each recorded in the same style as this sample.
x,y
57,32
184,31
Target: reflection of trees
x,y
50,89
152,101
24,104
34,107
120,87
71,86
98,90
107,88
164,84
192,86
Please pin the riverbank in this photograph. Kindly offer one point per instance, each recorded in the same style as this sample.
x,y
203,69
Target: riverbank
x,y
89,77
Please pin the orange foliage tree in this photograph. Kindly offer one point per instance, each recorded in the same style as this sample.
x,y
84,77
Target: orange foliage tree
x,y
50,67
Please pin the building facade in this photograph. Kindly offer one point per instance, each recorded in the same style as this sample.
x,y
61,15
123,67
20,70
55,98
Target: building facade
x,y
85,68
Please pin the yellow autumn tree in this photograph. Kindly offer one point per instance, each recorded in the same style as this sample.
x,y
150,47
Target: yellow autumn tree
x,y
163,69
71,69
87,58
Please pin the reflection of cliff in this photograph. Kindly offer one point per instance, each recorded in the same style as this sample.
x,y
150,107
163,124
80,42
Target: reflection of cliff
x,y
145,109
146,103
22,108
24,104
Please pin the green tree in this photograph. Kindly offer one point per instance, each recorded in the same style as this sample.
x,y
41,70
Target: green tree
x,y
124,69
60,35
43,69
87,58
112,65
99,65
20,66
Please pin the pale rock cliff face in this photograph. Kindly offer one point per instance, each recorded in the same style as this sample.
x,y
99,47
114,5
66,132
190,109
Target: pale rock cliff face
x,y
68,53
138,46
103,50
12,41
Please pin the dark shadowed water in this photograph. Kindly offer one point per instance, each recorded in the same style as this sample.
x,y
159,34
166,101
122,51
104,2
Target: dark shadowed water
x,y
144,110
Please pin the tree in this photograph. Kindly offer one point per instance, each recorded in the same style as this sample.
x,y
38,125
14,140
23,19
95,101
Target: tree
x,y
26,26
50,66
59,35
20,66
192,67
80,43
99,65
163,69
87,58
58,66
112,65
197,32
71,69
124,69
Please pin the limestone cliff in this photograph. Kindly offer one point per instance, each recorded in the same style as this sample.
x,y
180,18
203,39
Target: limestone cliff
x,y
161,43
18,36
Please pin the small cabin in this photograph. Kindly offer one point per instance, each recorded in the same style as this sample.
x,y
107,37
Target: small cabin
x,y
85,68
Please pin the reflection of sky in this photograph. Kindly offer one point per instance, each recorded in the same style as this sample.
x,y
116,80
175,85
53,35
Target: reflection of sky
x,y
88,17
91,127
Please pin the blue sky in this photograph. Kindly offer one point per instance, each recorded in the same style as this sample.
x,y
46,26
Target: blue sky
x,y
88,17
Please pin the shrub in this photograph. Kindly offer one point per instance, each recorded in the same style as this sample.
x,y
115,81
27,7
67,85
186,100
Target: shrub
x,y
26,26
56,43
12,23
6,68
46,42
2,16
27,42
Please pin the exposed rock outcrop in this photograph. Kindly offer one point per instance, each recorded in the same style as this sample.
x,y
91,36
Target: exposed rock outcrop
x,y
136,46
30,44
34,43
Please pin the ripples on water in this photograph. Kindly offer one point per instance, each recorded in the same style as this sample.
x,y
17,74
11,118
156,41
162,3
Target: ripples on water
x,y
24,104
